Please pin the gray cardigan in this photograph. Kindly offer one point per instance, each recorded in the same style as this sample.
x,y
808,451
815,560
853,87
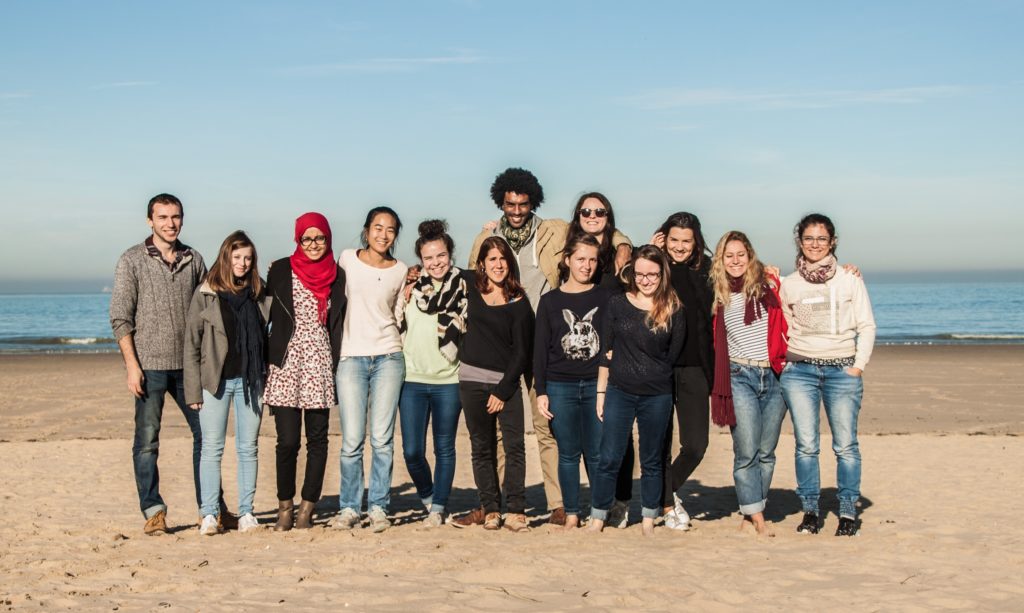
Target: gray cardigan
x,y
206,343
151,302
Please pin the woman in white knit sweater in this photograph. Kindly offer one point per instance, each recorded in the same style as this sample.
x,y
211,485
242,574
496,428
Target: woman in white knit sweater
x,y
831,334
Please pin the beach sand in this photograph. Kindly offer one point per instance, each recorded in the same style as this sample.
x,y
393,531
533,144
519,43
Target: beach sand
x,y
942,471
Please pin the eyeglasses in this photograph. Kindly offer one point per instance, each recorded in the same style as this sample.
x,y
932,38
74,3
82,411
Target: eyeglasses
x,y
810,240
306,241
599,213
650,276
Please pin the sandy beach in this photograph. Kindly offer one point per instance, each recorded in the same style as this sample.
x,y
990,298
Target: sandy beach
x,y
942,452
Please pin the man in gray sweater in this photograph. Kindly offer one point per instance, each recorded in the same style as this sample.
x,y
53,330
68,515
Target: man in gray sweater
x,y
153,285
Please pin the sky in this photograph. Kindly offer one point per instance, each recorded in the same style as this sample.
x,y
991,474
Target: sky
x,y
900,120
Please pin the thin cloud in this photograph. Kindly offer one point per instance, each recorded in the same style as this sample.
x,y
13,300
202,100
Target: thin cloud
x,y
386,64
124,84
664,99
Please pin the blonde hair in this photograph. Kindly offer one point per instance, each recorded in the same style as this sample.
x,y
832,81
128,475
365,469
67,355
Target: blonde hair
x,y
753,280
664,302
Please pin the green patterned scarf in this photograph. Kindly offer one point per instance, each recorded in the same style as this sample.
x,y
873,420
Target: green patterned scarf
x,y
517,237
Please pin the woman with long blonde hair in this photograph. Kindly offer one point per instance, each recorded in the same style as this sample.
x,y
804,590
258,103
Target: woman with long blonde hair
x,y
750,351
644,330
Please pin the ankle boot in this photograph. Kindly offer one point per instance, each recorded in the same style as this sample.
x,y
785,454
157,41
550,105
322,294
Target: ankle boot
x,y
285,515
304,518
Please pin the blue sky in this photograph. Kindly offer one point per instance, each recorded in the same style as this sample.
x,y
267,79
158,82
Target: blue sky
x,y
901,120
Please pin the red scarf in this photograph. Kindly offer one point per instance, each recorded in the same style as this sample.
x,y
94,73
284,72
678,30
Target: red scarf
x,y
317,276
722,411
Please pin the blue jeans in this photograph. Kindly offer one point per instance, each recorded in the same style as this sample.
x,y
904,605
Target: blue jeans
x,y
757,399
146,447
577,431
651,414
418,404
368,386
213,418
805,386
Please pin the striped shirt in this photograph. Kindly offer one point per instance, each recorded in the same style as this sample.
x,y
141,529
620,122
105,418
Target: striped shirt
x,y
747,342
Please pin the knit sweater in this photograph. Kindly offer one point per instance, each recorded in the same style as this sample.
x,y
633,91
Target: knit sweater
x,y
151,303
829,320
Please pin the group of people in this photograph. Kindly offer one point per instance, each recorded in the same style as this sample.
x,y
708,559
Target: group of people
x,y
596,336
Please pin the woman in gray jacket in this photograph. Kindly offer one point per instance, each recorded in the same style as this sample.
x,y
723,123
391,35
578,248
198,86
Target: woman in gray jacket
x,y
225,360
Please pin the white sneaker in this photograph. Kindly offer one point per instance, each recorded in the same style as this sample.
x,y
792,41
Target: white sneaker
x,y
434,520
674,522
248,523
379,519
346,520
618,515
209,526
680,511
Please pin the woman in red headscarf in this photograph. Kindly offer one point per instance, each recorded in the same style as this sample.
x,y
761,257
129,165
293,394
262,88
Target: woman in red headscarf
x,y
307,294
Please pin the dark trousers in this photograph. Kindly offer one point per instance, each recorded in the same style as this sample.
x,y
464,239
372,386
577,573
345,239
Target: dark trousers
x,y
289,428
483,438
149,410
693,415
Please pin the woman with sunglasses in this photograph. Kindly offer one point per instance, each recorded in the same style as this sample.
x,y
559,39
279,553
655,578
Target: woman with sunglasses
x,y
831,336
307,311
644,330
593,215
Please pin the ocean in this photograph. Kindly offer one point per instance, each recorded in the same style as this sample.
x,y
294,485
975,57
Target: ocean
x,y
906,314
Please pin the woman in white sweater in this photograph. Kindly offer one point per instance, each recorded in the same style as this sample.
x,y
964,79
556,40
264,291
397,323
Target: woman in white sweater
x,y
372,368
831,334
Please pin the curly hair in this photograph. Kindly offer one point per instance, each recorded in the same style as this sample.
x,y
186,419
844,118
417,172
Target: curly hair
x,y
520,181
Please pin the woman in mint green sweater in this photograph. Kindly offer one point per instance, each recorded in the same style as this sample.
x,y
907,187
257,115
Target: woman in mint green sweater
x,y
432,317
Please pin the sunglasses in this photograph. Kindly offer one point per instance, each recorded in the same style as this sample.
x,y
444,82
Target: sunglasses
x,y
593,212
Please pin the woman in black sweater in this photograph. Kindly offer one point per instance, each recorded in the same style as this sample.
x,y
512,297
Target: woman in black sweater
x,y
644,330
495,354
681,239
566,357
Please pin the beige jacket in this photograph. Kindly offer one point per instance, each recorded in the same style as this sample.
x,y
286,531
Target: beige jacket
x,y
551,235
831,319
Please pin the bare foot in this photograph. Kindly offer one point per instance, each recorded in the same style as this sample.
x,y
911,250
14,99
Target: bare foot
x,y
758,523
648,526
571,523
595,525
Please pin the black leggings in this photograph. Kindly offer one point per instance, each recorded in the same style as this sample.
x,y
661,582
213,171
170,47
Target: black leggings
x,y
483,439
289,427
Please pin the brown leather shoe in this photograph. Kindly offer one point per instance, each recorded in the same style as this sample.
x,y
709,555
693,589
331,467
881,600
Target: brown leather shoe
x,y
516,522
473,518
492,521
304,517
557,517
285,516
227,520
156,525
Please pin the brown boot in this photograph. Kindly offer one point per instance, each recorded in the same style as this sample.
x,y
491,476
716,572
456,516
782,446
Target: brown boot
x,y
304,518
285,515
473,518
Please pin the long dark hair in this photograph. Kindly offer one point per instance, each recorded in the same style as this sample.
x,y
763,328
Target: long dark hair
x,y
605,249
377,210
510,287
221,279
685,220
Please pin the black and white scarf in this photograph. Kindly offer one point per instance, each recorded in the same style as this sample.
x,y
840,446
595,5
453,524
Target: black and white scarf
x,y
448,302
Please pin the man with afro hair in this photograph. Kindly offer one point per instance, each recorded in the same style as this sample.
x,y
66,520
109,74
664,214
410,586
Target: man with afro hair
x,y
537,244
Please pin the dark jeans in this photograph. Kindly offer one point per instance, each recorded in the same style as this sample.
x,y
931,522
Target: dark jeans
x,y
419,403
578,433
694,416
146,447
651,414
289,427
483,438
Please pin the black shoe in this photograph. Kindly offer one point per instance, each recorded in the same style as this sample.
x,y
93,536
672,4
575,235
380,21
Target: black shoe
x,y
847,527
809,525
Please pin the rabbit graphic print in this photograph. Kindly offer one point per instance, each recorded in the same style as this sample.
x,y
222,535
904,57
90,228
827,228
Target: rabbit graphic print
x,y
581,342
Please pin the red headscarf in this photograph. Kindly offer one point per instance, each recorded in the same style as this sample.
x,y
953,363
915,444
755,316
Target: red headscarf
x,y
316,276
